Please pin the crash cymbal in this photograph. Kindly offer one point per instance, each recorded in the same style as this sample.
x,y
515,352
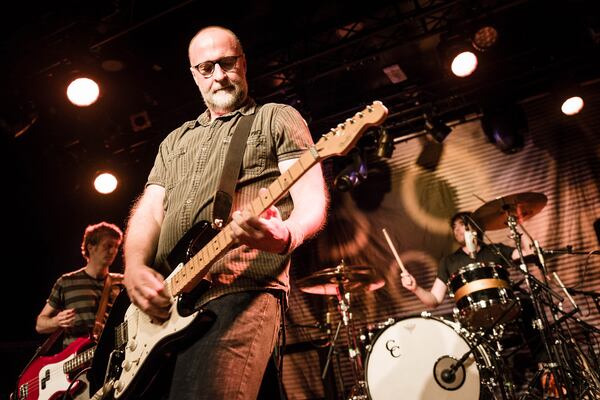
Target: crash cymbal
x,y
354,278
493,214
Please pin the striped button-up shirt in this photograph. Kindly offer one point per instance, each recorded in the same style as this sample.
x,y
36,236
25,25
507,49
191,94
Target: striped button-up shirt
x,y
188,165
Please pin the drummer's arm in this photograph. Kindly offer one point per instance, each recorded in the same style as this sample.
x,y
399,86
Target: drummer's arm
x,y
527,247
435,296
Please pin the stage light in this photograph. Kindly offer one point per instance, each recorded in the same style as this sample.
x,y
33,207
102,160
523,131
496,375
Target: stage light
x,y
457,56
572,105
505,126
484,38
436,128
83,92
567,94
385,144
464,64
352,175
140,121
105,183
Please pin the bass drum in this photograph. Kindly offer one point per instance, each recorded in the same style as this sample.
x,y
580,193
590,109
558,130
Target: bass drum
x,y
412,360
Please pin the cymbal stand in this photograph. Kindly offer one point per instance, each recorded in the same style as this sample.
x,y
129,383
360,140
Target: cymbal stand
x,y
331,348
359,391
541,323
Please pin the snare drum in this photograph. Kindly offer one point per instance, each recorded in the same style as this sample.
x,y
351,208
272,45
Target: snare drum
x,y
483,295
409,358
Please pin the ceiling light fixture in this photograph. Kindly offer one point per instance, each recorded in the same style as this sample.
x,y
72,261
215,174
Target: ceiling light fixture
x,y
505,126
352,175
436,128
572,105
83,92
458,56
484,38
385,144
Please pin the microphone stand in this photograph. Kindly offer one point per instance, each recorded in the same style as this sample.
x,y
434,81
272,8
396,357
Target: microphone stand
x,y
594,295
541,323
554,365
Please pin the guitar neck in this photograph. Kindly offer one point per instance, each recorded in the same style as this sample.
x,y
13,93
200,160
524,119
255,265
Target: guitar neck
x,y
79,360
186,277
337,141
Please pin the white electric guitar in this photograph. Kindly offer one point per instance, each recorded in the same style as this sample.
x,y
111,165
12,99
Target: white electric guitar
x,y
128,352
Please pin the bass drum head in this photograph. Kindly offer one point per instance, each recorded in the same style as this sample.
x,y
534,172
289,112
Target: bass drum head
x,y
407,360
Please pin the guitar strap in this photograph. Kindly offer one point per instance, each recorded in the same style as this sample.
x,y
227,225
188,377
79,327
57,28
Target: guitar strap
x,y
111,279
223,198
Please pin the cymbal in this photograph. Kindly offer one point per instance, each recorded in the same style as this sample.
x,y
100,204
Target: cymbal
x,y
354,278
493,214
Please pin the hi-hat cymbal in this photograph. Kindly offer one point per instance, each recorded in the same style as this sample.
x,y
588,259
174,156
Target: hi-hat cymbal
x,y
353,278
493,214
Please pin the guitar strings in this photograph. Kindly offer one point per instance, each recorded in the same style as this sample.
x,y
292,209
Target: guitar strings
x,y
54,370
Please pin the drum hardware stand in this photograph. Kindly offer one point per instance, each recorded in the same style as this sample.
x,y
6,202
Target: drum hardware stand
x,y
541,322
358,391
589,371
594,295
331,348
341,281
553,366
330,353
448,375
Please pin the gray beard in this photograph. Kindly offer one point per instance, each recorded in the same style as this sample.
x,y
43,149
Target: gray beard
x,y
225,101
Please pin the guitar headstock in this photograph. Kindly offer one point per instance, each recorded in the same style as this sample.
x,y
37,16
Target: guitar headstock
x,y
341,139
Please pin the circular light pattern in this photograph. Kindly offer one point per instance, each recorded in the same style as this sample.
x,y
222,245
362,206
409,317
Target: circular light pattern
x,y
83,92
572,105
485,38
105,183
464,64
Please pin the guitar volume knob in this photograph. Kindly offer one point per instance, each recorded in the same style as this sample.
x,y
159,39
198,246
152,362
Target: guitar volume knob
x,y
131,345
118,386
126,365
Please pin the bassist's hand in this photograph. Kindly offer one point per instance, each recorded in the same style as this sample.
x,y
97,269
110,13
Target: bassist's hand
x,y
146,289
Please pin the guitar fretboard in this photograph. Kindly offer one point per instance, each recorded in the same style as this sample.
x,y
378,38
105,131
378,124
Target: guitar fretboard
x,y
79,360
187,276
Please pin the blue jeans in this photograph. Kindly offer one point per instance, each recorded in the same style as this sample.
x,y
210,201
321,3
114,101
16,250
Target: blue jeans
x,y
229,360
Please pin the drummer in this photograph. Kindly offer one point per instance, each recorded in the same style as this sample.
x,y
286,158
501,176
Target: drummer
x,y
472,249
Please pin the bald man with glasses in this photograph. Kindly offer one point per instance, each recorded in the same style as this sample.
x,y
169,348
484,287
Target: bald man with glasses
x,y
250,282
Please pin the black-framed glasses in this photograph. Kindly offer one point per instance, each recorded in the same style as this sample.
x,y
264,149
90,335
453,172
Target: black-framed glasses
x,y
207,68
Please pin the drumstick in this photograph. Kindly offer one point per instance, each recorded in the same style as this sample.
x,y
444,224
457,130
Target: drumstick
x,y
394,251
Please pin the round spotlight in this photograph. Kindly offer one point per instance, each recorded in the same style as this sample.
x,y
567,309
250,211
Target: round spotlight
x,y
83,92
464,64
105,183
485,37
572,105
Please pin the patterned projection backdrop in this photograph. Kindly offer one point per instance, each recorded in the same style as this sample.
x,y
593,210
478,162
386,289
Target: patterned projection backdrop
x,y
561,159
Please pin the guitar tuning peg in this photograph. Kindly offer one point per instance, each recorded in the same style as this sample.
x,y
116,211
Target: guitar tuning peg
x,y
341,126
360,115
350,120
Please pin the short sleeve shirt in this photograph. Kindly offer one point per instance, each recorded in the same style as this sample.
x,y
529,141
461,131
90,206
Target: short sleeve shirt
x,y
82,292
188,166
453,262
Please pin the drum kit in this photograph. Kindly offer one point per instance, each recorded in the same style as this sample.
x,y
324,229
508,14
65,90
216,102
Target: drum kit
x,y
428,357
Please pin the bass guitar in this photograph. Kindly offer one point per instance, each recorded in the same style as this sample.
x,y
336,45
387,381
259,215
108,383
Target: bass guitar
x,y
49,377
128,353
